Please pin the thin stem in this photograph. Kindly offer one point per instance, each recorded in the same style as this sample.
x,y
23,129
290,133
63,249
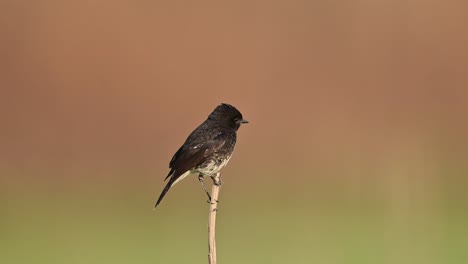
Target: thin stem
x,y
212,219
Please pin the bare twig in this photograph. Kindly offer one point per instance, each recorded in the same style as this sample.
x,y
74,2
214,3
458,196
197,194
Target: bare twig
x,y
212,218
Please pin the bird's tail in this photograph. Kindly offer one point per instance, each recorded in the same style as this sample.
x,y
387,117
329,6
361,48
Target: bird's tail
x,y
168,186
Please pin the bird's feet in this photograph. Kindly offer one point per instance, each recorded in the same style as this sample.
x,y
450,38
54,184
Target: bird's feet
x,y
212,202
217,181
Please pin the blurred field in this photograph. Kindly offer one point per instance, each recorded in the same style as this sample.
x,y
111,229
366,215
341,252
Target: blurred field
x,y
303,222
356,152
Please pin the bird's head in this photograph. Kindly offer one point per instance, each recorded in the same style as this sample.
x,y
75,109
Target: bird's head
x,y
227,115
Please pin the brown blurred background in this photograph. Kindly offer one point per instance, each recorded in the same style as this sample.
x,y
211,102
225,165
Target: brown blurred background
x,y
356,151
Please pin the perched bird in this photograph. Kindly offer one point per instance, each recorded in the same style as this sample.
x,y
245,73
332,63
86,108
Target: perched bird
x,y
207,149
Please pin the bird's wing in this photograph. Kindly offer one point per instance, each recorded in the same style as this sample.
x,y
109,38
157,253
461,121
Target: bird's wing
x,y
189,157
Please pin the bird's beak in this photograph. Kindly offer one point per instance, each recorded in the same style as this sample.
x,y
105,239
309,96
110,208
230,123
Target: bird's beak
x,y
243,121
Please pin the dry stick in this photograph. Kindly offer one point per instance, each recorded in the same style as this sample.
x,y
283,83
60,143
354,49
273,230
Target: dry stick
x,y
212,219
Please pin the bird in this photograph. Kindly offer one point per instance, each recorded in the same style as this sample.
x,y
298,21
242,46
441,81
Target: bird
x,y
207,149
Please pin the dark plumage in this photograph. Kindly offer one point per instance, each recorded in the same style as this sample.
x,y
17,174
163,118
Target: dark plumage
x,y
207,149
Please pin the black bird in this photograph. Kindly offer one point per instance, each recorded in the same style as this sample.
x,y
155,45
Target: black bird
x,y
207,149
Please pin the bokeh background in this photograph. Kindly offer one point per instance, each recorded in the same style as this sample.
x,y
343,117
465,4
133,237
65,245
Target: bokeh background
x,y
356,152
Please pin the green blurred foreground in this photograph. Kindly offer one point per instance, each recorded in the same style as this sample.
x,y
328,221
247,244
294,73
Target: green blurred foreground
x,y
256,224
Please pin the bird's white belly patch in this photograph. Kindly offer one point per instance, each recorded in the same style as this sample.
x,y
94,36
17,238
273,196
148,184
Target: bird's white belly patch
x,y
209,169
213,167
